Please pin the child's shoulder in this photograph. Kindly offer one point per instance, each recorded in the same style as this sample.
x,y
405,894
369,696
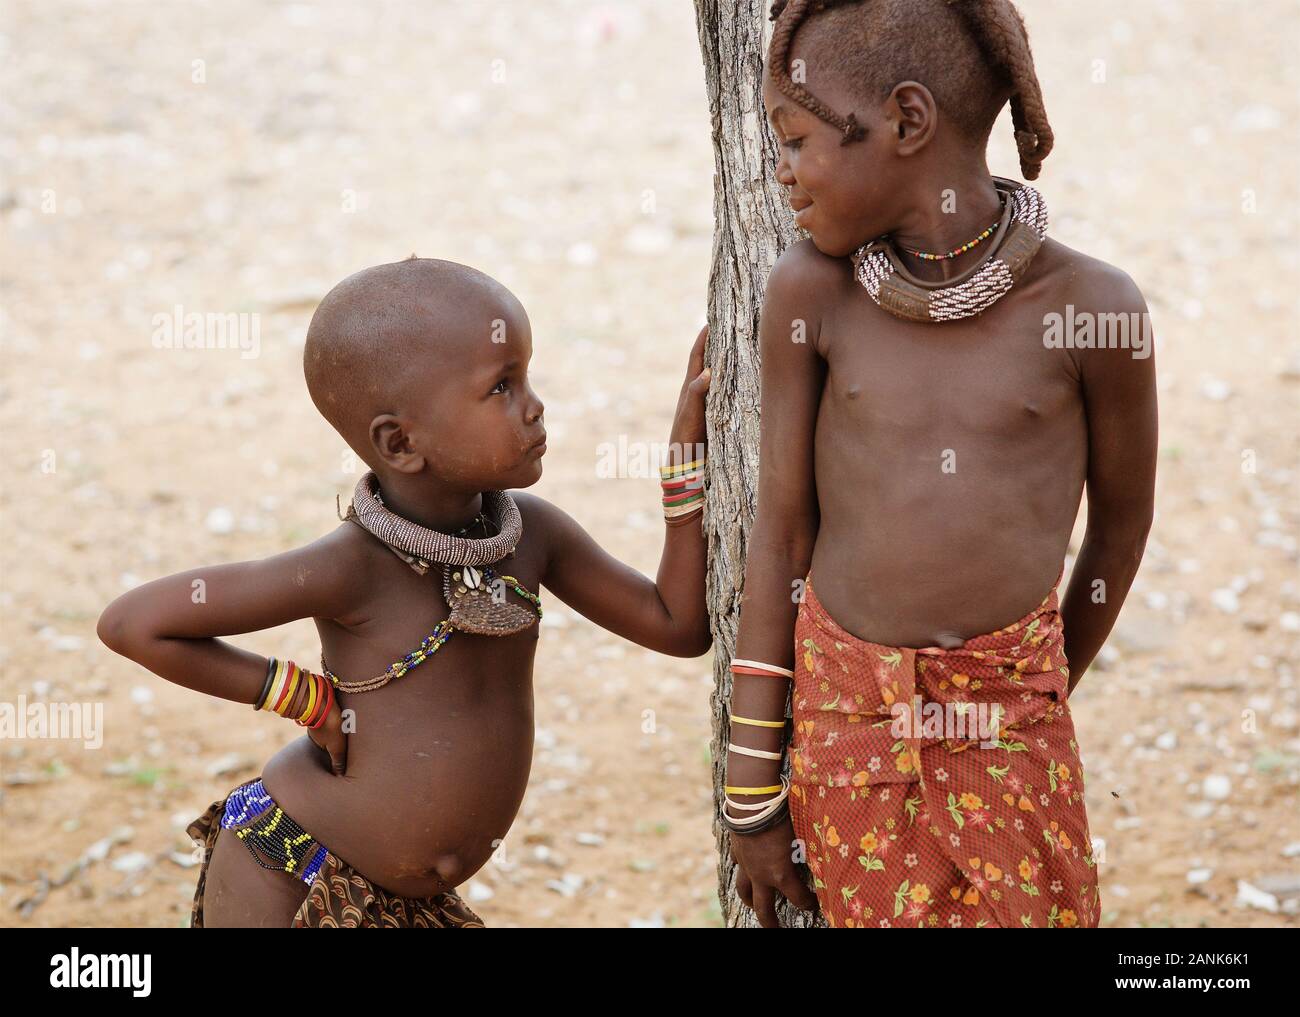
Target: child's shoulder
x,y
801,269
804,287
346,553
1096,313
1072,277
546,526
539,515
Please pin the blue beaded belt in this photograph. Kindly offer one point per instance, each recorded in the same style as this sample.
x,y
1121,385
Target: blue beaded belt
x,y
274,840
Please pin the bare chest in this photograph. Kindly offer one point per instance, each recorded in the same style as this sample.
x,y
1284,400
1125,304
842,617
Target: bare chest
x,y
991,375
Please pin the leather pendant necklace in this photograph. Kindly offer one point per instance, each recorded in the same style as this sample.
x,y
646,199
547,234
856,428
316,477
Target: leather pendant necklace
x,y
478,604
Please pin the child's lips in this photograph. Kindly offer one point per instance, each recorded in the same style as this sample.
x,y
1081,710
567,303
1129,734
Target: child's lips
x,y
538,448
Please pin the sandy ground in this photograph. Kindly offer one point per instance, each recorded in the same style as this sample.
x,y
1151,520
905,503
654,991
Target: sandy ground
x,y
565,148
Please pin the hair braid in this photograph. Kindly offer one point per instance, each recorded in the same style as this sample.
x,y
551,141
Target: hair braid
x,y
1000,31
789,15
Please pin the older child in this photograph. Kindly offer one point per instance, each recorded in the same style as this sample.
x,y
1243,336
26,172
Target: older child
x,y
925,445
428,586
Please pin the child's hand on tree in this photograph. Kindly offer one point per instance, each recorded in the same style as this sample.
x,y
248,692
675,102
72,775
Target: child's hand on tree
x,y
767,869
688,422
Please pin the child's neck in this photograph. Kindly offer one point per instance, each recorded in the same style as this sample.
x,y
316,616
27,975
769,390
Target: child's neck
x,y
429,503
940,226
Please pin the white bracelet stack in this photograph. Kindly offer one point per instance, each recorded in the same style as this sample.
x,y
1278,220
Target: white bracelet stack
x,y
762,811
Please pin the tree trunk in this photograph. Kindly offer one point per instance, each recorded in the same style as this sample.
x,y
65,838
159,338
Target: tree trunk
x,y
752,225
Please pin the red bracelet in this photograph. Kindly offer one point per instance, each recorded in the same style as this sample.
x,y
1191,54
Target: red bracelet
x,y
327,701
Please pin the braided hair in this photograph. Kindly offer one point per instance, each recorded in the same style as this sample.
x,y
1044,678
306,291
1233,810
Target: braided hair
x,y
973,55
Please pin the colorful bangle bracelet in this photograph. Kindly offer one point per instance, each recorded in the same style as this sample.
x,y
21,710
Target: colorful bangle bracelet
x,y
325,694
776,805
752,790
313,690
740,666
266,685
276,702
683,490
294,678
325,710
674,515
760,823
745,750
764,814
668,472
757,723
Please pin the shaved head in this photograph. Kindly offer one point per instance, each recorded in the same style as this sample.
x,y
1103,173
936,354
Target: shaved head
x,y
388,334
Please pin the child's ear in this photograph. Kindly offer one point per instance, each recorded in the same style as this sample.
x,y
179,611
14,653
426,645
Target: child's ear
x,y
914,116
393,445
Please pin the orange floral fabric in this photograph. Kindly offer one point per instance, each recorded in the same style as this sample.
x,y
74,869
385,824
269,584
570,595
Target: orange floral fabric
x,y
940,788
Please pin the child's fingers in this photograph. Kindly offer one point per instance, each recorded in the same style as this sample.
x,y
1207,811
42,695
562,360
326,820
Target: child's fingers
x,y
765,906
744,888
701,383
338,750
797,893
334,741
697,352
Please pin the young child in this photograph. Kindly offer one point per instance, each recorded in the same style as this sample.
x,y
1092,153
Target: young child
x,y
408,780
925,444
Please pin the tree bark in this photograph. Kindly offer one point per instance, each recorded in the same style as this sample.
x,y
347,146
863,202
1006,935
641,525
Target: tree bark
x,y
752,225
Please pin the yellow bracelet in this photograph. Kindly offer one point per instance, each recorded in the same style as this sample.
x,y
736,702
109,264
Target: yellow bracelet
x,y
277,687
670,472
292,669
312,693
758,723
752,790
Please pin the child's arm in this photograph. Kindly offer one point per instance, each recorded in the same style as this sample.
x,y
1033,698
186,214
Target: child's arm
x,y
668,615
779,554
1120,399
169,625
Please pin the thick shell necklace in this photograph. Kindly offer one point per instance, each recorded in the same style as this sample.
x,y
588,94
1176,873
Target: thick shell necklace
x,y
1021,231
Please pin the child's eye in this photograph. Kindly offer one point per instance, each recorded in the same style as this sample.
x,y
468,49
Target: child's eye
x,y
792,143
500,386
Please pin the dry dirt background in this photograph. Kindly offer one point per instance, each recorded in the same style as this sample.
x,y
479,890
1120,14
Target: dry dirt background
x,y
564,147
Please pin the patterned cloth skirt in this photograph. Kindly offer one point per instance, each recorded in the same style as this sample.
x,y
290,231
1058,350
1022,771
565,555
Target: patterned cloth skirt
x,y
338,896
940,788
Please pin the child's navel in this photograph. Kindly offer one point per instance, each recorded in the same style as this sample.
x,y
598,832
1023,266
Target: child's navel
x,y
449,869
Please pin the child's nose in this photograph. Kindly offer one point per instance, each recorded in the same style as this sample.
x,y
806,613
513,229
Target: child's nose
x,y
784,175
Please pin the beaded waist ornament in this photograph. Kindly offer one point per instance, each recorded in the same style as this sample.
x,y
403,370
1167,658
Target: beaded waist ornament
x,y
1019,234
474,592
275,840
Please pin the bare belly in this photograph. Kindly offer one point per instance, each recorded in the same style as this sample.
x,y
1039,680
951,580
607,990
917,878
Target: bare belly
x,y
436,772
935,565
